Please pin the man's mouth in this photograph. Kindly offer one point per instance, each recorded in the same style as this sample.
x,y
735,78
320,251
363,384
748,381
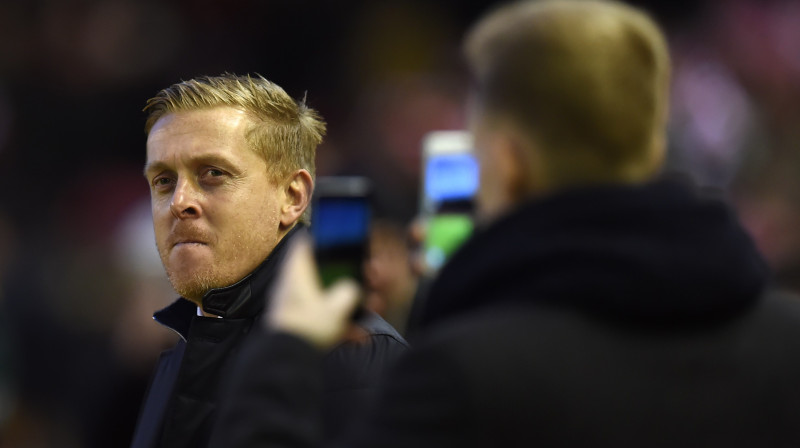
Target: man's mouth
x,y
183,242
188,236
188,240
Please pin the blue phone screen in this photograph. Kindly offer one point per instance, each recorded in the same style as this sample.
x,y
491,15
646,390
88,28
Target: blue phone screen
x,y
451,177
340,222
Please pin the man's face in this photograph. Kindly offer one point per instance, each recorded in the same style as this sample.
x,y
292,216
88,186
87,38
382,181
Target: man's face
x,y
216,212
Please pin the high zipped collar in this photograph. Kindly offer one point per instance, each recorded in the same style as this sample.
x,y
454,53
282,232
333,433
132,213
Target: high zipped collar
x,y
243,299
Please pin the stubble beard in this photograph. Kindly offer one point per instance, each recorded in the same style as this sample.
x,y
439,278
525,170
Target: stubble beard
x,y
191,285
195,284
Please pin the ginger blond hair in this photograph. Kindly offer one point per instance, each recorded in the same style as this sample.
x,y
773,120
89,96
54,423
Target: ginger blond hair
x,y
589,79
284,132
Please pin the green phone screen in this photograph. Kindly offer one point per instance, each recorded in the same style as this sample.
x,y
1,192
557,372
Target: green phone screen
x,y
446,232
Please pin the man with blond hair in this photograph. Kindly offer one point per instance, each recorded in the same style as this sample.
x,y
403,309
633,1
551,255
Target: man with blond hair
x,y
230,164
598,305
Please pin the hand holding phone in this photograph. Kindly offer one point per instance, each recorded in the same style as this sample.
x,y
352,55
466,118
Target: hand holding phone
x,y
302,307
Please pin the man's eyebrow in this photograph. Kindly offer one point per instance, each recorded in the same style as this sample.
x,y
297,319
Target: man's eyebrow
x,y
200,159
213,159
153,166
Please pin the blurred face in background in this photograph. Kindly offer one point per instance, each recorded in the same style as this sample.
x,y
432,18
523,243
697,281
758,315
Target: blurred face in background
x,y
216,211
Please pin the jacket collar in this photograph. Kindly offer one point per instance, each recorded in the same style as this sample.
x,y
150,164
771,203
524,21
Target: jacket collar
x,y
241,300
663,251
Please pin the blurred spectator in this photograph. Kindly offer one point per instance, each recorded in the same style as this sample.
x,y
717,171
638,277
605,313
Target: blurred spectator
x,y
390,282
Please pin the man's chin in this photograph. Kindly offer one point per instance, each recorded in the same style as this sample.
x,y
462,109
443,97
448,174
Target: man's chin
x,y
194,288
191,293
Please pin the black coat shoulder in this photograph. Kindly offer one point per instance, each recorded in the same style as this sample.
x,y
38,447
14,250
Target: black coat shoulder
x,y
538,374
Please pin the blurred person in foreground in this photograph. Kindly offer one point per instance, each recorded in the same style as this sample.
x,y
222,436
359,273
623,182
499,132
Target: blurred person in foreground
x,y
230,163
598,305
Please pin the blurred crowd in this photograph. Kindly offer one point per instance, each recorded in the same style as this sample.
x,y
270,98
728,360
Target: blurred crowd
x,y
79,273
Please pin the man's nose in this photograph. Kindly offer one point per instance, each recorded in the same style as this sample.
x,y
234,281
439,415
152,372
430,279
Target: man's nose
x,y
185,204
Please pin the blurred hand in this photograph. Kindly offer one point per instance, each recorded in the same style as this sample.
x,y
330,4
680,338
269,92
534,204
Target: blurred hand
x,y
417,231
300,306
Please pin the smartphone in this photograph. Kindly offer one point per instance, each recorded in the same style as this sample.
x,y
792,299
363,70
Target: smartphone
x,y
340,225
450,182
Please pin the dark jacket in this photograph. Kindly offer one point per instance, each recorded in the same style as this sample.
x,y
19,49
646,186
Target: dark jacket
x,y
622,316
190,380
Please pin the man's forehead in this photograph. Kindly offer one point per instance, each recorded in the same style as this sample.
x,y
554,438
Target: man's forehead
x,y
225,123
195,134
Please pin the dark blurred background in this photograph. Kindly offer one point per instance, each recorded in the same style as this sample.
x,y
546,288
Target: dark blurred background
x,y
79,275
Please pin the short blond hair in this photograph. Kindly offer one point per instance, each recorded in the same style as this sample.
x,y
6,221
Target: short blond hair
x,y
588,78
284,132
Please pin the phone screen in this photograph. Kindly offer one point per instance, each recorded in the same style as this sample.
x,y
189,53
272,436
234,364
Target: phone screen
x,y
451,177
451,181
340,227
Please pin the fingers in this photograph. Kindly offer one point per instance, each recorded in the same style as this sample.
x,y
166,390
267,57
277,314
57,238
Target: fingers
x,y
301,307
300,264
342,297
297,275
417,232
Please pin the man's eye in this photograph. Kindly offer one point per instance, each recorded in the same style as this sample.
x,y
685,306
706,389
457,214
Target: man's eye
x,y
213,174
161,181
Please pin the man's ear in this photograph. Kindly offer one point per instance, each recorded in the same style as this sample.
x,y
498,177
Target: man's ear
x,y
509,164
513,163
297,196
526,167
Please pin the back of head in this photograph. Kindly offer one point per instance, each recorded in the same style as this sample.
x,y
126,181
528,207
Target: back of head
x,y
587,80
284,132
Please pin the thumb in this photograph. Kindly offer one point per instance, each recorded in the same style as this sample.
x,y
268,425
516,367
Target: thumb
x,y
342,297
